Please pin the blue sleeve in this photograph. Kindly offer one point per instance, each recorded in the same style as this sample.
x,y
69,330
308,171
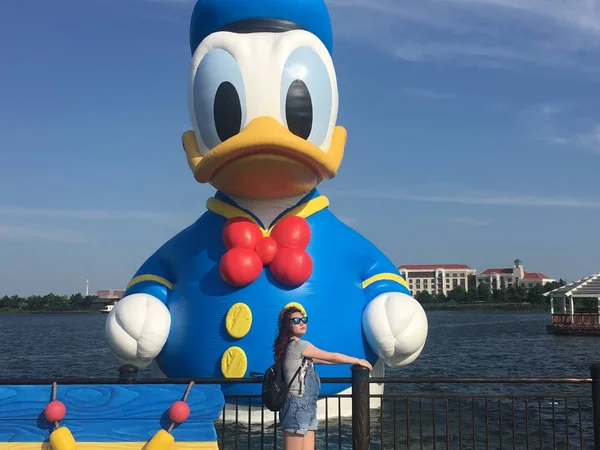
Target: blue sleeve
x,y
152,278
382,276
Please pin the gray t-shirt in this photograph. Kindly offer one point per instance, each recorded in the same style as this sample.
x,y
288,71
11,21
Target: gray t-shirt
x,y
291,362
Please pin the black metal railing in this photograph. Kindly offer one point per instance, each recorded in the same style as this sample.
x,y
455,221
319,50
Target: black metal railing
x,y
437,413
416,413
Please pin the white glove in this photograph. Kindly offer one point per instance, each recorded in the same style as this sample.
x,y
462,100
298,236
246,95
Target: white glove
x,y
395,326
137,329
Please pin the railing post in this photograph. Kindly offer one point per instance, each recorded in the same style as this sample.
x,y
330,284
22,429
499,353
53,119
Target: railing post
x,y
128,372
361,411
595,369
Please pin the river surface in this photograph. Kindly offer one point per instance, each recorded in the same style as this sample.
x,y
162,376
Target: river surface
x,y
460,344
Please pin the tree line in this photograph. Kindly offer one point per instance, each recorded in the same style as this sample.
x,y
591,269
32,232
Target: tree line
x,y
486,294
483,294
50,302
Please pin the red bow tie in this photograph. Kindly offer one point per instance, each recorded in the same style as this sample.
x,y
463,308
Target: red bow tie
x,y
248,251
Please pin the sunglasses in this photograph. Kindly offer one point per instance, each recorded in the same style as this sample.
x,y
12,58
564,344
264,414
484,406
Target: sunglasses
x,y
297,320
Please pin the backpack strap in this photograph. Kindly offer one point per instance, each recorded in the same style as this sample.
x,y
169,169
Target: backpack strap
x,y
299,368
297,372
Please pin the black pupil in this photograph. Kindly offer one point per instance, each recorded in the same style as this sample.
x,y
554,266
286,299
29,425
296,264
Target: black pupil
x,y
228,111
299,109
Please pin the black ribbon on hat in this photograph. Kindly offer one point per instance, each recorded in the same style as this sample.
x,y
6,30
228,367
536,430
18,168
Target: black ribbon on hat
x,y
261,26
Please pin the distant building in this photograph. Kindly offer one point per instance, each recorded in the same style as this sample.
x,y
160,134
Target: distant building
x,y
513,276
109,295
438,278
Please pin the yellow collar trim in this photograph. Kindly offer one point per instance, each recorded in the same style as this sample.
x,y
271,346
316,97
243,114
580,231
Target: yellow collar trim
x,y
304,210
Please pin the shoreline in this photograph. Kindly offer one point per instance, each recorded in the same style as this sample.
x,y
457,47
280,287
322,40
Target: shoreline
x,y
42,312
428,307
488,307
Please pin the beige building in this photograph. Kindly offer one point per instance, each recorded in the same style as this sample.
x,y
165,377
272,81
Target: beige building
x,y
438,278
109,295
513,276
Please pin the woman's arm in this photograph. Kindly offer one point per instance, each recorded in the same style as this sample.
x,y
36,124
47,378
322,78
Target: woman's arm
x,y
321,361
316,354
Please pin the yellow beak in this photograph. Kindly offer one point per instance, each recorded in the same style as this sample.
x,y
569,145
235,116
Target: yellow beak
x,y
265,137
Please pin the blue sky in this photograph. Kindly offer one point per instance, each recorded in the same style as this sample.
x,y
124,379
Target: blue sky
x,y
474,135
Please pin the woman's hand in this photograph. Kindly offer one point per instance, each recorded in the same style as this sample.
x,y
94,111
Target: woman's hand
x,y
365,363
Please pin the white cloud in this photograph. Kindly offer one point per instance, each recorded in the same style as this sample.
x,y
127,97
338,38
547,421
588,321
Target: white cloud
x,y
27,233
591,141
547,110
480,198
582,15
550,123
588,141
491,33
469,222
80,214
426,94
556,140
488,33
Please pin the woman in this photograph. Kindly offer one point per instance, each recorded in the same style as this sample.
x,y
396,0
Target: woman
x,y
298,415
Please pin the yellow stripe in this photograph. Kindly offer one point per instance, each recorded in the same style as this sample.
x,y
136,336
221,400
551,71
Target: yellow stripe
x,y
310,207
385,276
107,446
305,210
156,278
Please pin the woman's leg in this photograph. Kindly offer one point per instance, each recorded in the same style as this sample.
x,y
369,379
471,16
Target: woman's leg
x,y
293,441
287,424
309,441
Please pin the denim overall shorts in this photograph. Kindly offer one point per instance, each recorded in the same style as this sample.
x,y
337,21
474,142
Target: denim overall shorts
x,y
298,414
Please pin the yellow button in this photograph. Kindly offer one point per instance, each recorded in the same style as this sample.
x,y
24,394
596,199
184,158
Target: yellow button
x,y
238,320
297,305
234,363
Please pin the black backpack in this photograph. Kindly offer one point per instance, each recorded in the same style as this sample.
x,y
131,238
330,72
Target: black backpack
x,y
274,387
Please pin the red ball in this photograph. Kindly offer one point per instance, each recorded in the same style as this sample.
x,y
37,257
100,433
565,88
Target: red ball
x,y
241,232
240,266
55,411
292,232
291,266
266,249
179,412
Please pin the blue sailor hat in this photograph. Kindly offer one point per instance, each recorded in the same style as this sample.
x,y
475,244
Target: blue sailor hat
x,y
210,16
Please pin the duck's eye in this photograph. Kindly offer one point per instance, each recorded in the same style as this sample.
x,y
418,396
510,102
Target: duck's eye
x,y
299,109
227,111
219,99
306,95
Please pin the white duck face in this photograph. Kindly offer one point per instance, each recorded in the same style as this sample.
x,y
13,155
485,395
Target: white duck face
x,y
263,108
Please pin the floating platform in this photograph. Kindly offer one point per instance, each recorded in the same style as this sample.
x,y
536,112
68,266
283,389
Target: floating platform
x,y
573,330
109,416
575,324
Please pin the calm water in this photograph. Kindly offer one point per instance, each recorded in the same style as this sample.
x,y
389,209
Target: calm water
x,y
459,344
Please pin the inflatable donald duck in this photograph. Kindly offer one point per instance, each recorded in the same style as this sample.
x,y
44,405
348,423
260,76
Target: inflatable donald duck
x,y
263,101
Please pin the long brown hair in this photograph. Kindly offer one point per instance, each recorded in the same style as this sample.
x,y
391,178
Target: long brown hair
x,y
284,333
